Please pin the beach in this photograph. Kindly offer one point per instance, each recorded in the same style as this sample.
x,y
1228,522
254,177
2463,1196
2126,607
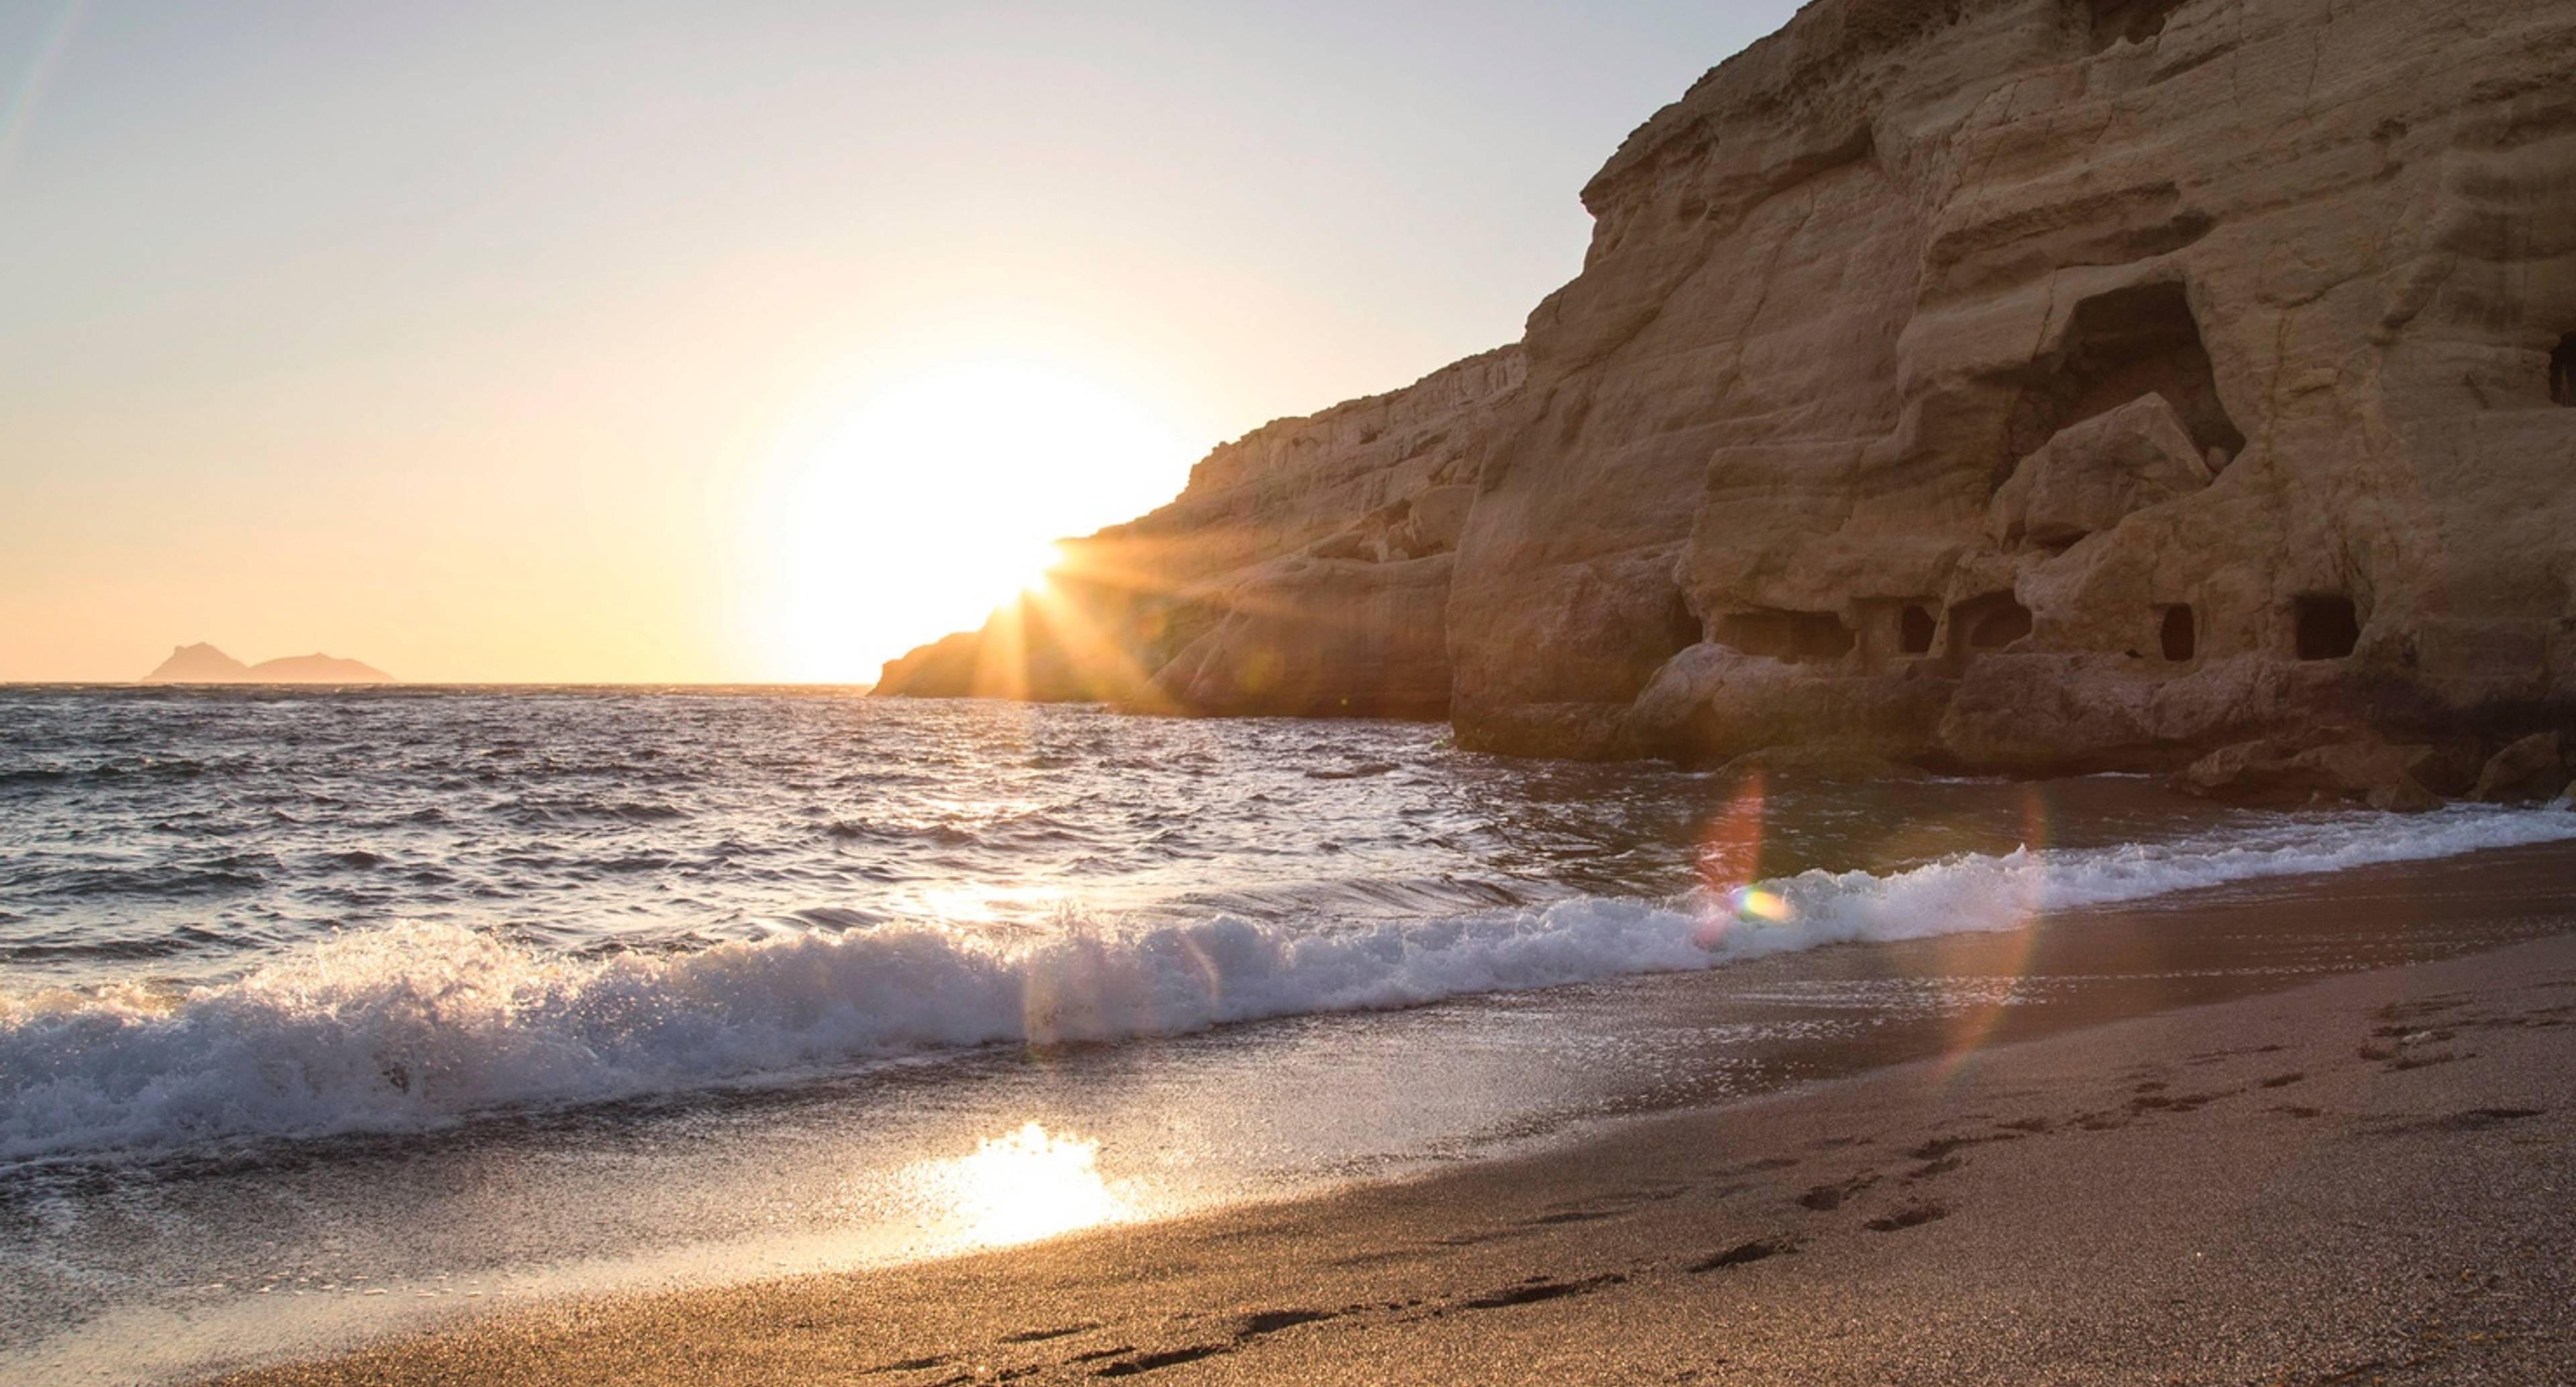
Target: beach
x,y
836,1034
2365,1179
1803,691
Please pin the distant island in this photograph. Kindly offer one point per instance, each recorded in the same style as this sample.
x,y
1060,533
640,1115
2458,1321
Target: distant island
x,y
204,664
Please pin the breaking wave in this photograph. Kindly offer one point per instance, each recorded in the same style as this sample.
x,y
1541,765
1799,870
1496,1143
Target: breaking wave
x,y
418,1026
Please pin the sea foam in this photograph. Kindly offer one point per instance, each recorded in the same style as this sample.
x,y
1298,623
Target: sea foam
x,y
417,1026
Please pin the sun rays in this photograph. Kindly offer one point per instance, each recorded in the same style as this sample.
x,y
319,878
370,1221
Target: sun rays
x,y
940,496
1100,623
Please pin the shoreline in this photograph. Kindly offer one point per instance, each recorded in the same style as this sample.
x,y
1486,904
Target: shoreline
x,y
2254,1190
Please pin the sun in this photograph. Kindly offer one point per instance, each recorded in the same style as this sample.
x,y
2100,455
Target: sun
x,y
937,498
1043,561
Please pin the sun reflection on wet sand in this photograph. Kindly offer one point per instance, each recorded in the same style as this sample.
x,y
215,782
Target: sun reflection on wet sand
x,y
1028,1185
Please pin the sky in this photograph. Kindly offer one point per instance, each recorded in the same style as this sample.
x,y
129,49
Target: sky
x,y
624,340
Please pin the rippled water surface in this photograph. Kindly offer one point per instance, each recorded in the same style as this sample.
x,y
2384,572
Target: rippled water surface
x,y
313,997
186,835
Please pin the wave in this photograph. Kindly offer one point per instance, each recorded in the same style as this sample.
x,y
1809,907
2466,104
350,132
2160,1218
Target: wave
x,y
418,1026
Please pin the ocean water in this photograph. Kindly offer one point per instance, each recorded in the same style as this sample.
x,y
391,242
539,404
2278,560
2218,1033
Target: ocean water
x,y
324,1013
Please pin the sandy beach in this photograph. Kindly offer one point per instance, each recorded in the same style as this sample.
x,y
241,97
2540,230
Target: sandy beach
x,y
2363,1180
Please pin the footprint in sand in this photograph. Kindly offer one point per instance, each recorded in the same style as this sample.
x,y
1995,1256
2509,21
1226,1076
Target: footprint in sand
x,y
1914,1216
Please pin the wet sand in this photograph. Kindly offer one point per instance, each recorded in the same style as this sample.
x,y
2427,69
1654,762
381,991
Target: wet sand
x,y
2368,1179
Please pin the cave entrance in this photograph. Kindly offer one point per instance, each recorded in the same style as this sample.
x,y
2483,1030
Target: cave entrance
x,y
2181,635
1789,637
1987,624
2327,627
2123,345
1682,626
2562,371
2127,21
1915,629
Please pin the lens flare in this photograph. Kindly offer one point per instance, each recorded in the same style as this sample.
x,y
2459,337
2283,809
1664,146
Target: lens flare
x,y
1754,903
19,111
1731,861
1974,1029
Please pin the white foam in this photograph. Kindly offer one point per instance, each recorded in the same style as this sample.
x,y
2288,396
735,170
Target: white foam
x,y
416,1026
1977,892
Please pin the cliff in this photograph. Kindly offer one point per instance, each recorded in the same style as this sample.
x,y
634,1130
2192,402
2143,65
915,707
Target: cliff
x,y
2019,385
204,664
2036,385
1303,571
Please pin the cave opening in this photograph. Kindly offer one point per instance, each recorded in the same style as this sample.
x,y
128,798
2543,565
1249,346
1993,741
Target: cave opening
x,y
1989,623
1789,637
2122,346
2000,628
1682,626
2181,635
2128,21
1915,629
2328,627
2562,372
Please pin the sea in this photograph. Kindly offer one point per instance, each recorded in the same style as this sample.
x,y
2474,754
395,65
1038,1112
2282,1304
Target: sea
x,y
329,1014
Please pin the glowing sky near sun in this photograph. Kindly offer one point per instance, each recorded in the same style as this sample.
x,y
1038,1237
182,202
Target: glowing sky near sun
x,y
664,341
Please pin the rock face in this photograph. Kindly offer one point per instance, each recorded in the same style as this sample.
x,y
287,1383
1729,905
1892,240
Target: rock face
x,y
2045,385
2020,385
204,664
1304,572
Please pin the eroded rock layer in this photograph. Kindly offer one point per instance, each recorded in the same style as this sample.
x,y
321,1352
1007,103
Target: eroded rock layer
x,y
2020,385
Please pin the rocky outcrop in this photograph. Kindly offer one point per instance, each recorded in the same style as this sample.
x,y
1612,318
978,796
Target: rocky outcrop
x,y
2529,770
2333,767
2094,474
1304,571
2022,385
2045,385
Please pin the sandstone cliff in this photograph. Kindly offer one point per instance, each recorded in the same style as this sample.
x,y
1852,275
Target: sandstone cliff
x,y
1303,571
2026,385
2054,384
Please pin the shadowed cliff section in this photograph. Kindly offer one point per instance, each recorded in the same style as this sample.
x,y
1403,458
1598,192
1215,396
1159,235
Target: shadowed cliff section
x,y
2034,386
1304,571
